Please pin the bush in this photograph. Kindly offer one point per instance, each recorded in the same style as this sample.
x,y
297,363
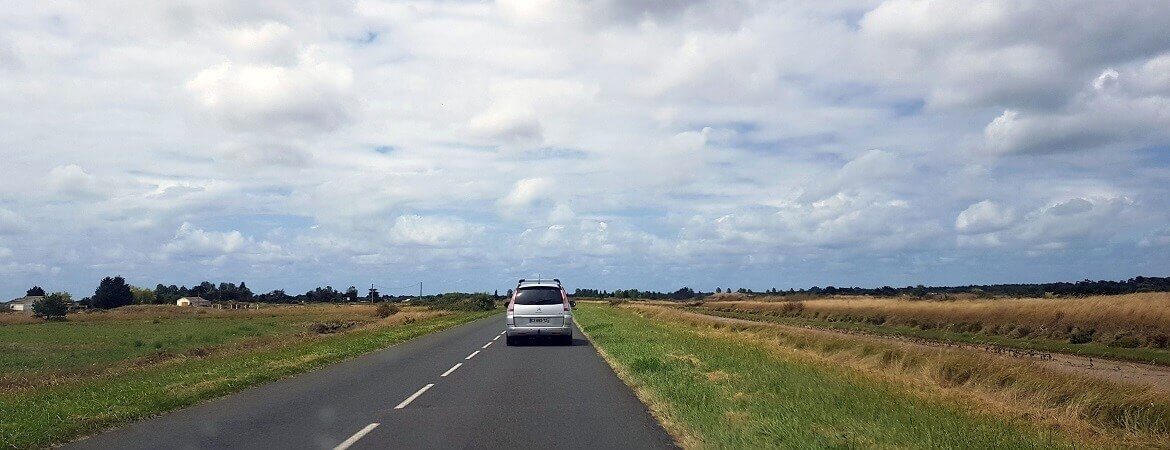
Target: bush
x,y
1079,336
385,310
1125,341
617,302
462,302
53,306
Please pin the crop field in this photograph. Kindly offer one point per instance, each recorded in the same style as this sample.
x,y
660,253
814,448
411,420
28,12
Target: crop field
x,y
718,384
61,380
1132,327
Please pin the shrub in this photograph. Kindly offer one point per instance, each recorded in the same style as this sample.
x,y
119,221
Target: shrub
x,y
1159,341
462,302
53,306
616,302
1125,341
385,310
1079,336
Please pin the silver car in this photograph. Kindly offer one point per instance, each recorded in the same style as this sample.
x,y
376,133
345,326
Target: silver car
x,y
540,308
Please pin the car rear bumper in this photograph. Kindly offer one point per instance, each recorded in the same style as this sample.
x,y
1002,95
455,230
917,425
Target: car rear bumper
x,y
539,331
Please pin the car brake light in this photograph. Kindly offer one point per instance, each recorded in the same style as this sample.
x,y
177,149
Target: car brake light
x,y
512,302
565,298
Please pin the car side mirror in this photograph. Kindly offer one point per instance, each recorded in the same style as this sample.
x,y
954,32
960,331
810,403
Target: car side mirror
x,y
572,303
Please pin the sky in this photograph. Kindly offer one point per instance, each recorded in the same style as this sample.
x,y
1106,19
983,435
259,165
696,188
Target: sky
x,y
613,144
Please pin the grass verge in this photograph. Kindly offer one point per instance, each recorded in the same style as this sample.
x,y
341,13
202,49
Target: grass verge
x,y
60,412
714,386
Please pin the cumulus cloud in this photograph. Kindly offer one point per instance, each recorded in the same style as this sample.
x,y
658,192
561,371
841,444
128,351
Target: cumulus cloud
x,y
191,242
313,94
73,182
528,192
983,217
430,231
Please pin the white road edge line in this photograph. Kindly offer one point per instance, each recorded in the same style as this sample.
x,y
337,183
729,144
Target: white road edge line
x,y
472,355
356,436
497,337
505,331
452,369
487,344
413,396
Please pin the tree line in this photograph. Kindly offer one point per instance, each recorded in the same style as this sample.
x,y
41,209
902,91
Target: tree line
x,y
1061,289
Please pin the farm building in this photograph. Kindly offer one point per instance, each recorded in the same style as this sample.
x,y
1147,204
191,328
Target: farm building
x,y
24,304
193,301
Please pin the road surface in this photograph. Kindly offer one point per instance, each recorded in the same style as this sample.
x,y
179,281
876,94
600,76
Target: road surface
x,y
459,388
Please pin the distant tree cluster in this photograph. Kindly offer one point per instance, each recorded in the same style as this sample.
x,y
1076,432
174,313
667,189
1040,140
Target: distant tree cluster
x,y
208,290
459,301
683,293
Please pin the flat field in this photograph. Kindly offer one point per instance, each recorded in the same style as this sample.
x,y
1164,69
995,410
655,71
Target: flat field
x,y
62,380
717,385
1133,327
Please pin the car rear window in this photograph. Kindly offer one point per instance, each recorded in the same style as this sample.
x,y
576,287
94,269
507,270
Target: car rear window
x,y
539,296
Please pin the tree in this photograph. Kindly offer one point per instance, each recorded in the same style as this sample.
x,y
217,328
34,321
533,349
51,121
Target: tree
x,y
143,296
718,291
351,294
54,306
245,294
36,291
112,292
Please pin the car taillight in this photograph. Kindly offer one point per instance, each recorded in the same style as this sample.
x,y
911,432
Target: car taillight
x,y
565,299
512,303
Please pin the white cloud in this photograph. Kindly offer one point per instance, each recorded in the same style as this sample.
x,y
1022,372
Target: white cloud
x,y
528,192
983,217
73,182
190,242
313,94
430,231
507,126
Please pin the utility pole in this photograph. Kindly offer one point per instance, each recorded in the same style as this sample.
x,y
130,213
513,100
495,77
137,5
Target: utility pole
x,y
420,290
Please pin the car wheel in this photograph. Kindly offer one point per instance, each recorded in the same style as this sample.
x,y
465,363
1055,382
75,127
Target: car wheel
x,y
567,340
509,340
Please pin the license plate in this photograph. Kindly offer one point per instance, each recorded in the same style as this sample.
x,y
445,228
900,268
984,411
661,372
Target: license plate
x,y
544,320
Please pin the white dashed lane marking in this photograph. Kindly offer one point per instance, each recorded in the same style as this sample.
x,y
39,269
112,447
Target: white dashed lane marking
x,y
452,369
472,355
413,396
356,436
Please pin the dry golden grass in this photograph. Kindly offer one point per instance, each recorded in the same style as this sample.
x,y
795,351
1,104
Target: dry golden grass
x,y
1142,317
1097,412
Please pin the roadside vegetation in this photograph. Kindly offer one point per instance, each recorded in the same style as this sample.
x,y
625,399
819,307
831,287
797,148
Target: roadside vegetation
x,y
64,379
1132,327
722,385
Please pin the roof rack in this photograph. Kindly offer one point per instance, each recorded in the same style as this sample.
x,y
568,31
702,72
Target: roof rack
x,y
538,280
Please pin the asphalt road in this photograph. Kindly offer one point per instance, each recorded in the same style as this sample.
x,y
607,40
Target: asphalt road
x,y
537,395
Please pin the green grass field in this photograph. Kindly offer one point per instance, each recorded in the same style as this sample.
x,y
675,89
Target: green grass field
x,y
66,346
1095,349
131,389
722,393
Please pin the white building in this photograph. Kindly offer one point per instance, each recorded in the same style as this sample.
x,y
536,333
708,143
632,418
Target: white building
x,y
24,304
193,301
